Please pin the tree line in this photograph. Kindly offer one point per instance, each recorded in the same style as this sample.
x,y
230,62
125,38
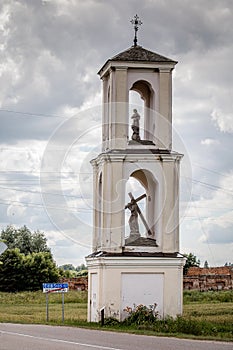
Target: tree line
x,y
28,262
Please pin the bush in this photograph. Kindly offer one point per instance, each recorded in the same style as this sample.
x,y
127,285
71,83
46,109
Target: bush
x,y
146,318
141,315
111,321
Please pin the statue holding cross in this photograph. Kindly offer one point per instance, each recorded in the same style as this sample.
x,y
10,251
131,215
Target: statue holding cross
x,y
133,220
135,211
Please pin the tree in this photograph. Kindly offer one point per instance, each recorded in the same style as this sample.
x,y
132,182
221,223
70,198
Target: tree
x,y
12,270
67,267
8,236
206,265
39,242
41,268
69,271
28,262
26,272
26,241
190,262
81,267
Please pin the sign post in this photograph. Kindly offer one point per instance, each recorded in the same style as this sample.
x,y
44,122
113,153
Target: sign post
x,y
55,288
47,307
62,308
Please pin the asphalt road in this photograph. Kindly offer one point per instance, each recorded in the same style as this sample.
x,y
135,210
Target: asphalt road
x,y
40,337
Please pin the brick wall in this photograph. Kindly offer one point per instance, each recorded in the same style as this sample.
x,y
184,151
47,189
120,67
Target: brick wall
x,y
76,283
213,278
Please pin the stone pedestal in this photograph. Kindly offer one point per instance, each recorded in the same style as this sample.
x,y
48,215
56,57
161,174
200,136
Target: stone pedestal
x,y
132,238
121,280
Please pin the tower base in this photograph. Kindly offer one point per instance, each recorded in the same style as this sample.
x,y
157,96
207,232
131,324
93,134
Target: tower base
x,y
117,281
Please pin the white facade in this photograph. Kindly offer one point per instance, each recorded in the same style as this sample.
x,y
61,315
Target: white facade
x,y
126,281
116,263
159,175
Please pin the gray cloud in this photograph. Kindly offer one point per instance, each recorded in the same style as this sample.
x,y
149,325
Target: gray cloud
x,y
50,53
218,234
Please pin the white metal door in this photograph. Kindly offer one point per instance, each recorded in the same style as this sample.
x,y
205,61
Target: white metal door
x,y
94,289
142,288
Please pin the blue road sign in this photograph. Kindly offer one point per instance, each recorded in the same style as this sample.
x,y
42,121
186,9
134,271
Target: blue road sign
x,y
55,287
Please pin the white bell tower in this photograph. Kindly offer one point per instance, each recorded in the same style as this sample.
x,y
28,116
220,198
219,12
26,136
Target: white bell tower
x,y
139,268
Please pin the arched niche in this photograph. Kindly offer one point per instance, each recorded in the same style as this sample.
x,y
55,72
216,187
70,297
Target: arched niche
x,y
148,185
136,102
146,92
137,189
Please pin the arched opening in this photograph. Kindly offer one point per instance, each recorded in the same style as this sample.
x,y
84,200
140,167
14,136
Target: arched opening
x,y
134,186
142,182
136,102
141,96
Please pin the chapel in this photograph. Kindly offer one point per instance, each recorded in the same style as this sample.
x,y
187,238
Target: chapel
x,y
135,259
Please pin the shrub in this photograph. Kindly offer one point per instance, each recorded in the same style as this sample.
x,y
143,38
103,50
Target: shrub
x,y
111,321
141,315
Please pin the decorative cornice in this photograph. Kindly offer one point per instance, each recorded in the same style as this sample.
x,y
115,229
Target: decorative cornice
x,y
134,261
141,156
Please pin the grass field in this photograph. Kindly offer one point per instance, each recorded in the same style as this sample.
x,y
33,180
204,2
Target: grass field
x,y
206,315
209,306
30,307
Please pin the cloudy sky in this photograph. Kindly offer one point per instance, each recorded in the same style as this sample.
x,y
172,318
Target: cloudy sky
x,y
50,113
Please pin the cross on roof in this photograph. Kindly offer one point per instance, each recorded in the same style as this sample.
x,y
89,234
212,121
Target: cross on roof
x,y
136,22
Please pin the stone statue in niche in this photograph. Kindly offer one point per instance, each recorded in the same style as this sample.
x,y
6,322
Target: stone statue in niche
x,y
133,220
135,211
135,125
134,226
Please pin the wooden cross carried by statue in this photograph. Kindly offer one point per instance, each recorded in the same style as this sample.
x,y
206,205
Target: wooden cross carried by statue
x,y
135,210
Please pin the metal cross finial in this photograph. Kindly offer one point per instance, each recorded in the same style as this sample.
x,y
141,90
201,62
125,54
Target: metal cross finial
x,y
136,22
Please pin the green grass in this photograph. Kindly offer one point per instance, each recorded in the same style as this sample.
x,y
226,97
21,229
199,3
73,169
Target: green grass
x,y
208,297
207,315
30,307
39,297
209,312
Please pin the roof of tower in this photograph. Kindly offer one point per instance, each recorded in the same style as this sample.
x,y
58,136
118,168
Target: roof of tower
x,y
139,54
